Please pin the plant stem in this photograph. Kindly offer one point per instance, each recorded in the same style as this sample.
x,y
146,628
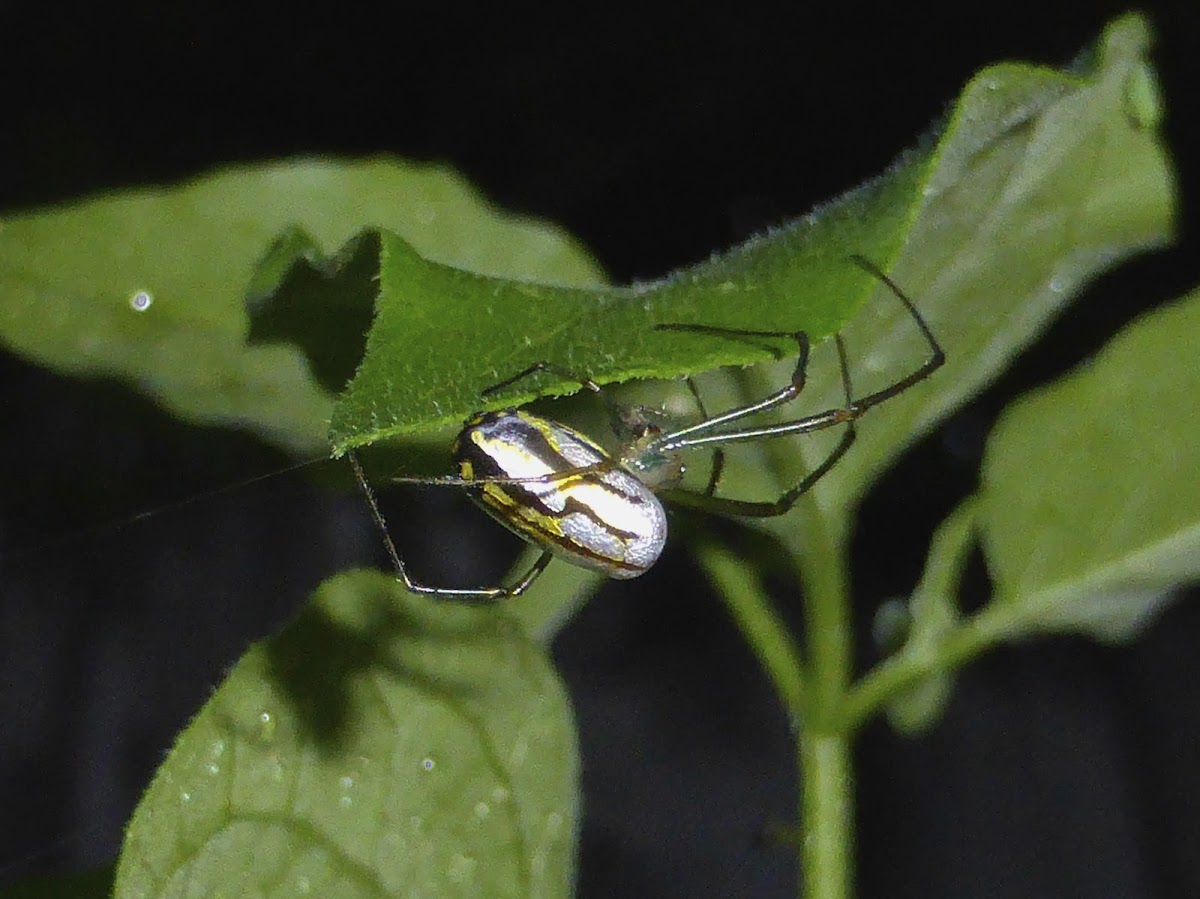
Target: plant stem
x,y
823,754
888,679
827,611
826,810
826,814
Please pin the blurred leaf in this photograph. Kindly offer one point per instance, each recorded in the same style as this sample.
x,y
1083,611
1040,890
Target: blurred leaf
x,y
68,277
381,746
934,614
1089,516
1090,506
329,302
554,597
1042,180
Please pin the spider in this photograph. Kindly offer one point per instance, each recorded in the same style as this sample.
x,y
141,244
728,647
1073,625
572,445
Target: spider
x,y
559,490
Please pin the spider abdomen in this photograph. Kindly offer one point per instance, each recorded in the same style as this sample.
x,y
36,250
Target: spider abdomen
x,y
602,517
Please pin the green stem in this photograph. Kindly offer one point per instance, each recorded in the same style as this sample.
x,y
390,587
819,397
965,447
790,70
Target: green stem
x,y
827,611
813,698
823,756
890,678
939,640
826,814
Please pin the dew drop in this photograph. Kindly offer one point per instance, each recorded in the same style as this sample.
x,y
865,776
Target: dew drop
x,y
185,796
1057,285
427,764
141,300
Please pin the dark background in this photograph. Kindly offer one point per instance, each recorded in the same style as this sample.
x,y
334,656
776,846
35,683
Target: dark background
x,y
1061,769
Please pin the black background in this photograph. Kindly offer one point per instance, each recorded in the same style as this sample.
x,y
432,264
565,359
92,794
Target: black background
x,y
1062,768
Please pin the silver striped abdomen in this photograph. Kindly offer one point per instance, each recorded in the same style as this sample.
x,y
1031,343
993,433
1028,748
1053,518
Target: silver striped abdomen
x,y
604,519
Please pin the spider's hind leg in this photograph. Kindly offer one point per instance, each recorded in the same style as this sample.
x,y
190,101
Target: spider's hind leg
x,y
516,588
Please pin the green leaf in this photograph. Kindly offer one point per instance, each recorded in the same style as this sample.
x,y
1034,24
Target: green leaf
x,y
381,746
1090,507
68,276
442,336
1041,179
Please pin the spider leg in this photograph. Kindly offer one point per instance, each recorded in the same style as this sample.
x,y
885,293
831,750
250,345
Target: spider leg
x,y
937,357
516,588
707,502
848,414
587,383
537,367
851,411
718,457
703,433
684,436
